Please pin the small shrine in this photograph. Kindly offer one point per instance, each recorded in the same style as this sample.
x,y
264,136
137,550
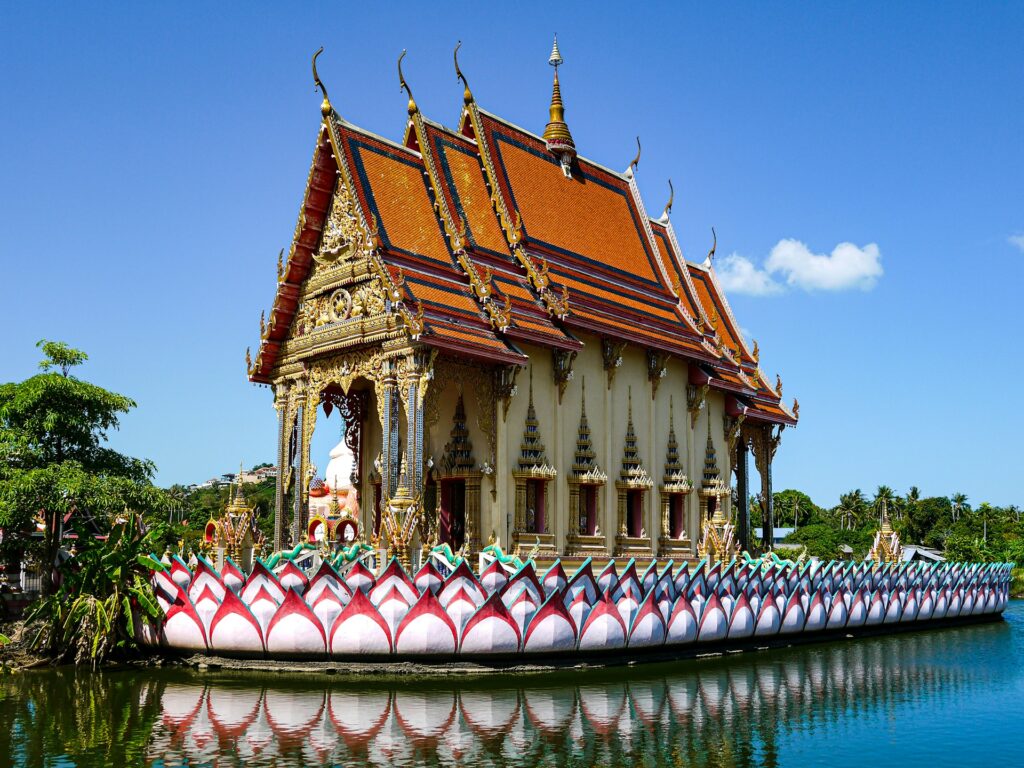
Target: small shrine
x,y
334,502
718,535
886,547
234,534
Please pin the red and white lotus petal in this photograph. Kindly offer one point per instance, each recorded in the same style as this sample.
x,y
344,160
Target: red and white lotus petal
x,y
491,630
551,629
714,625
234,628
261,577
741,619
682,625
427,629
462,578
394,577
184,629
648,626
360,629
292,577
359,577
604,627
206,577
493,577
295,630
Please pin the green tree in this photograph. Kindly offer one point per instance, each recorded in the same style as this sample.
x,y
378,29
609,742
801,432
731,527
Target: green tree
x,y
959,502
850,509
55,462
885,495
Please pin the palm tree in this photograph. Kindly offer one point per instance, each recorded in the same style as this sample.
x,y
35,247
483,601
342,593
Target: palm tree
x,y
884,495
959,504
850,509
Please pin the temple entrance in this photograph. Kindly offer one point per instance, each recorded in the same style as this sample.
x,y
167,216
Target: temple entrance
x,y
634,513
676,524
588,510
712,507
453,513
535,522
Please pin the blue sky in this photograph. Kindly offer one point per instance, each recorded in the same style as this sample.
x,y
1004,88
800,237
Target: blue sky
x,y
154,159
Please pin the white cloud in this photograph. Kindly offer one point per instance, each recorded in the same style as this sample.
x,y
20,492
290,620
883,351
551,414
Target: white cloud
x,y
738,274
792,264
1017,241
846,267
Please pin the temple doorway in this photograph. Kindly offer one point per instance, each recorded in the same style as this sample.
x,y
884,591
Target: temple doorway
x,y
634,513
453,513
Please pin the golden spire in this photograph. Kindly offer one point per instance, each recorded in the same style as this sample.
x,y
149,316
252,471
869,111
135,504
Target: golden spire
x,y
467,95
556,134
325,105
413,109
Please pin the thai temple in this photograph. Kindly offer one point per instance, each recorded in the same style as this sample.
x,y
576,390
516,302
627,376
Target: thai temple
x,y
544,407
519,351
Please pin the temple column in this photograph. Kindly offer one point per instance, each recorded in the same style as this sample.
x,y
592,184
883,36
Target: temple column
x,y
301,482
283,435
743,494
387,392
765,444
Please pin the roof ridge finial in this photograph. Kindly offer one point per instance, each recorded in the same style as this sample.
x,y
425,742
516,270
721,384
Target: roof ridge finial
x,y
714,247
467,95
668,206
325,105
636,160
402,85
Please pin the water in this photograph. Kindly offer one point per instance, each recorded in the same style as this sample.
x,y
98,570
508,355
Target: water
x,y
940,697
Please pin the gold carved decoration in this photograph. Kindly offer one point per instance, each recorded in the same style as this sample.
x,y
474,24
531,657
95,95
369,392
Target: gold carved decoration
x,y
344,237
695,397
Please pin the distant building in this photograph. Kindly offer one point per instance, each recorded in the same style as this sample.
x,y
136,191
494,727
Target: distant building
x,y
778,535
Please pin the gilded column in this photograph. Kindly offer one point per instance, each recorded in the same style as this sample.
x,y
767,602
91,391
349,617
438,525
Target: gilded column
x,y
300,473
283,429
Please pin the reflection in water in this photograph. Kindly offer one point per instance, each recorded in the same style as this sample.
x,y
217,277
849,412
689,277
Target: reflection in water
x,y
736,711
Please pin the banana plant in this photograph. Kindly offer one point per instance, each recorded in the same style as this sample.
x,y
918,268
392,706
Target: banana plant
x,y
106,589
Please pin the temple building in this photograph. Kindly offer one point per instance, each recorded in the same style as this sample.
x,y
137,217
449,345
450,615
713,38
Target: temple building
x,y
519,352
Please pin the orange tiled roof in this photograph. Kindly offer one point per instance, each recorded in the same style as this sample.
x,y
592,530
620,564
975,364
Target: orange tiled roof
x,y
624,275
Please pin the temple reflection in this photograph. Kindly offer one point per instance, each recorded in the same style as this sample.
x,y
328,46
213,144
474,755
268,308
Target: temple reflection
x,y
705,713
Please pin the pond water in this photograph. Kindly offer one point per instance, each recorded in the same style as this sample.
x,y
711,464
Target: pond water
x,y
938,697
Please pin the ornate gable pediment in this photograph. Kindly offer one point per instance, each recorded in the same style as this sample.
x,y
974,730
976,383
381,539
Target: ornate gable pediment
x,y
347,298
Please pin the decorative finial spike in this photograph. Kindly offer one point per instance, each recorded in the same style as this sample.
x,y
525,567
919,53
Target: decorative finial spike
x,y
714,246
402,85
467,95
325,105
671,198
555,60
636,160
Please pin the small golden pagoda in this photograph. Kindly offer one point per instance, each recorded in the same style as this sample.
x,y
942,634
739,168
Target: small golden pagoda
x,y
718,535
235,534
886,547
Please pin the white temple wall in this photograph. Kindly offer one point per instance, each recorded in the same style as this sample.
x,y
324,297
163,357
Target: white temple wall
x,y
607,413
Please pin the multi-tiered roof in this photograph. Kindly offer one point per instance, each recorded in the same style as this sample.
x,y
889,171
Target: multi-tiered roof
x,y
489,235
